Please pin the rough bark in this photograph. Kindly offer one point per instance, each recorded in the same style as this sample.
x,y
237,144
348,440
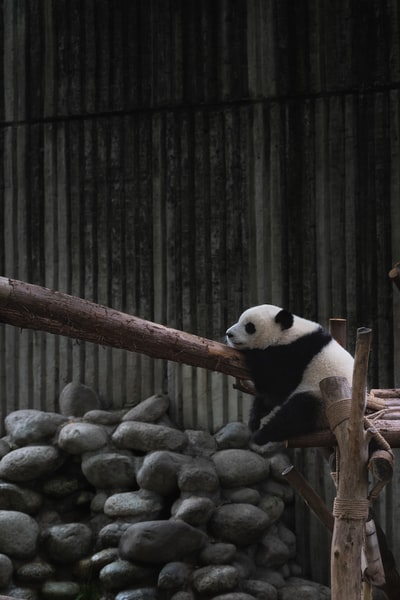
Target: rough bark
x,y
34,307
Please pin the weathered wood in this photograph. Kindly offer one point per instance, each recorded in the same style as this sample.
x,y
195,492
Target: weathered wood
x,y
34,307
338,330
310,497
390,430
394,274
351,504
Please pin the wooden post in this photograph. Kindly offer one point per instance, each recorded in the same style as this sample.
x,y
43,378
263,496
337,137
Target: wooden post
x,y
351,504
338,330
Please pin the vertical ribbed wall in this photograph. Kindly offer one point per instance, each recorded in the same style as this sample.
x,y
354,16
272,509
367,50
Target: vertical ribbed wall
x,y
181,160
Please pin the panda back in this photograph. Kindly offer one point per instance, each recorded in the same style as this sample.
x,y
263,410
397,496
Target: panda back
x,y
281,370
332,361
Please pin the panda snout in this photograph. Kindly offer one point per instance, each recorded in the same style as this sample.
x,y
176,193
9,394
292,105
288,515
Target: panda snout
x,y
230,337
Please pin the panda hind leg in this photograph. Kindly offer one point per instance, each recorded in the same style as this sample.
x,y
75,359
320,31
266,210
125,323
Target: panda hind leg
x,y
297,416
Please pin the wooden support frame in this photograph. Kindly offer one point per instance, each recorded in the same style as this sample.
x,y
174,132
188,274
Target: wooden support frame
x,y
351,503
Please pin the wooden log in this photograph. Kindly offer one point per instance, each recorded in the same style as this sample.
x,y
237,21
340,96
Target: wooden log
x,y
351,503
338,330
394,274
34,307
390,430
310,497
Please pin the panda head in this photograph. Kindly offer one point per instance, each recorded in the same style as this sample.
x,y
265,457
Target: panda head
x,y
267,325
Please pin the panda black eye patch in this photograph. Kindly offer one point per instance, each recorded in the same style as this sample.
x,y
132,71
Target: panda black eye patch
x,y
250,327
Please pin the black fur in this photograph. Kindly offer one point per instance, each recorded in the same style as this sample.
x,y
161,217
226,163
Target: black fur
x,y
276,372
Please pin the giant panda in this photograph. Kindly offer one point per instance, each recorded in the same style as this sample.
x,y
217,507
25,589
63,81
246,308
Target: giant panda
x,y
287,357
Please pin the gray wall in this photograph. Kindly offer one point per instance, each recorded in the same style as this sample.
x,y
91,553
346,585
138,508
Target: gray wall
x,y
183,160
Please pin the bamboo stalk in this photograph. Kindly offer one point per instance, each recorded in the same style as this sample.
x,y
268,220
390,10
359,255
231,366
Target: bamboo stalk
x,y
34,307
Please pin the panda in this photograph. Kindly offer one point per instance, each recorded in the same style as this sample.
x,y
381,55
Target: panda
x,y
287,357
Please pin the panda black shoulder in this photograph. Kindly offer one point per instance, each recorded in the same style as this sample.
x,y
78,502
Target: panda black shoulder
x,y
279,369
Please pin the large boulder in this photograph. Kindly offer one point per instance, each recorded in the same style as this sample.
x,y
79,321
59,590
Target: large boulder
x,y
160,541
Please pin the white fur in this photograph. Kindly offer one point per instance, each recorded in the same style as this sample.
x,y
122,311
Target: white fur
x,y
333,360
268,332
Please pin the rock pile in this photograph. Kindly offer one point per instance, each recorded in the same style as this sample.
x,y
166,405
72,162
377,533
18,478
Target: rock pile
x,y
125,506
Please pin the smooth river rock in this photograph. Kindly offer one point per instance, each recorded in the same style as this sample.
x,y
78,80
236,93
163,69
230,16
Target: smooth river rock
x,y
240,467
31,426
77,438
18,534
30,462
149,410
148,436
160,541
239,524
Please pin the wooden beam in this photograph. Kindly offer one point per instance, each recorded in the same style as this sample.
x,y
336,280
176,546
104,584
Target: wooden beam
x,y
34,307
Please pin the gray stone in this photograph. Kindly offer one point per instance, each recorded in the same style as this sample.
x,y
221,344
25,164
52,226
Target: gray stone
x,y
18,534
242,495
122,573
103,558
23,593
233,435
5,446
59,486
149,410
281,489
273,507
15,497
287,537
109,469
260,589
31,426
199,443
68,543
279,462
240,524
76,399
59,590
299,592
243,561
182,595
31,462
6,569
160,541
193,510
98,502
77,438
236,596
159,471
35,571
147,437
198,475
104,417
142,505
217,554
304,587
275,578
110,534
174,576
214,579
237,468
148,593
272,552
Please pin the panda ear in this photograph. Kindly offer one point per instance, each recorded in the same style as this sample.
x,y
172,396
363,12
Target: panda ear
x,y
284,318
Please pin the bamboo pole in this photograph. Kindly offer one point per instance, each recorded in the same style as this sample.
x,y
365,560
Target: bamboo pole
x,y
34,307
351,503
